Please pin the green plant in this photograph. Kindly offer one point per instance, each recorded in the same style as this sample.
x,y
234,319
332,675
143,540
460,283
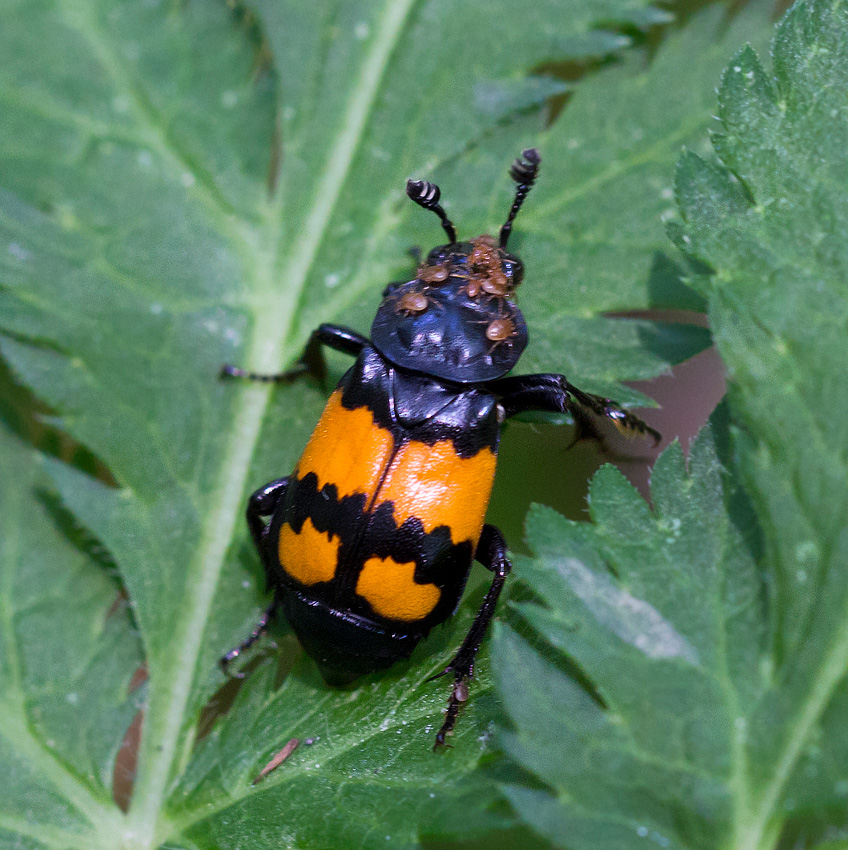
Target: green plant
x,y
190,184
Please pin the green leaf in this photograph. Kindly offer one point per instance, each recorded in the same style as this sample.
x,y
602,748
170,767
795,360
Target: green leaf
x,y
696,651
650,745
371,755
67,653
184,185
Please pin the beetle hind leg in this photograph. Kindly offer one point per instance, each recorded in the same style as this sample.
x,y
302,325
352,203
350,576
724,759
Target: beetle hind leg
x,y
491,553
258,632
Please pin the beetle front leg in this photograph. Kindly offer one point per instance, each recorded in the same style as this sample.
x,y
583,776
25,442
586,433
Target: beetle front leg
x,y
491,553
553,393
260,507
333,336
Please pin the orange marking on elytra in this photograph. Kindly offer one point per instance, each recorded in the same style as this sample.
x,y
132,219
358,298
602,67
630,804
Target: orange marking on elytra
x,y
436,485
309,556
347,449
392,591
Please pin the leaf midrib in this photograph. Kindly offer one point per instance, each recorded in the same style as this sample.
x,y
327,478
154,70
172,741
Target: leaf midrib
x,y
268,351
758,831
761,828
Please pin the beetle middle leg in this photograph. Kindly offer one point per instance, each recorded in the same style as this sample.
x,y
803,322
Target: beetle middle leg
x,y
491,553
260,506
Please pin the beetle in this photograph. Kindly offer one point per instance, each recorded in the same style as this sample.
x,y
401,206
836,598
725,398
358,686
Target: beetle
x,y
368,544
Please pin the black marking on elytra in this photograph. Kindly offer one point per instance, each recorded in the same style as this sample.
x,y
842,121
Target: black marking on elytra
x,y
371,534
438,560
328,513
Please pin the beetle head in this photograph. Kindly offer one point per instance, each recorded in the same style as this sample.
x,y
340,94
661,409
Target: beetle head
x,y
458,320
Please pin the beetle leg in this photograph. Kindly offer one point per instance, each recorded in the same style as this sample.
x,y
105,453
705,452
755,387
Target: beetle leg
x,y
261,505
333,336
553,393
259,630
339,338
229,371
491,553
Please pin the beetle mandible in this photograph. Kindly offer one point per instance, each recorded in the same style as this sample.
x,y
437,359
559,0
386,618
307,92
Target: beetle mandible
x,y
369,542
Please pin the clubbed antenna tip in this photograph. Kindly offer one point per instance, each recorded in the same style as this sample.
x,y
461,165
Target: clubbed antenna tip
x,y
427,195
525,167
524,171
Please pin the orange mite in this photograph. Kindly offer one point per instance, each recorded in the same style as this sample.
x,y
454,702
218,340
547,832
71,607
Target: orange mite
x,y
500,330
411,303
433,274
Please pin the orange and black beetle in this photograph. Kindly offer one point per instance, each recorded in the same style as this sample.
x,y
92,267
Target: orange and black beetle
x,y
368,544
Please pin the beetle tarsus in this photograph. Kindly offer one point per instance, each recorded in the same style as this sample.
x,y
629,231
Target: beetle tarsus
x,y
258,631
260,506
228,371
458,698
311,361
492,554
552,393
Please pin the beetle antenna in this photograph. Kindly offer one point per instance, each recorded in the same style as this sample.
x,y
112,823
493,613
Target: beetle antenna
x,y
427,195
523,171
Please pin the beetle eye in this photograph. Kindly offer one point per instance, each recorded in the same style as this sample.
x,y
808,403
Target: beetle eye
x,y
438,255
513,268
